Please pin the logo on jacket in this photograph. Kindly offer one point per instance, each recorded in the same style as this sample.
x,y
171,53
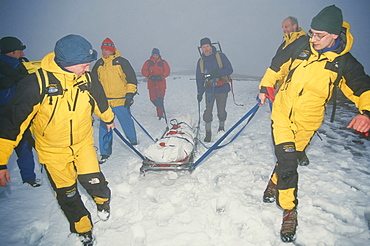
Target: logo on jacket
x,y
303,54
94,181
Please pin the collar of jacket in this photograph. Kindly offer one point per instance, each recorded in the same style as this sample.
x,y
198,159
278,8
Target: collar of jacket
x,y
49,65
11,61
154,60
214,50
344,47
112,57
293,36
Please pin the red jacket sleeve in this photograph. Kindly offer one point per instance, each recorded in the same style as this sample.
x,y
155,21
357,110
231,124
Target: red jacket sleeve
x,y
145,69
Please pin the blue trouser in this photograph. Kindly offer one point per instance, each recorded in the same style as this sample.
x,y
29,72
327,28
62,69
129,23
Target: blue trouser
x,y
25,160
124,117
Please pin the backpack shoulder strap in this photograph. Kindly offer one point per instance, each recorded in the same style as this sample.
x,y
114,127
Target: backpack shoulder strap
x,y
43,80
219,61
340,63
218,58
201,65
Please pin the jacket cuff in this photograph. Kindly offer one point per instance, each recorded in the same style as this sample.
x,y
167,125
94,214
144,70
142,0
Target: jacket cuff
x,y
263,90
365,112
3,167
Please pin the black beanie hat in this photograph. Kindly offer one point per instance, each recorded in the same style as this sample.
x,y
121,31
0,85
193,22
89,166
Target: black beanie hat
x,y
204,41
9,44
330,19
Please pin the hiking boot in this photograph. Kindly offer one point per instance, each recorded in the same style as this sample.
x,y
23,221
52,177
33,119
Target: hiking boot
x,y
33,183
86,238
103,211
269,195
289,225
304,161
208,136
103,159
221,129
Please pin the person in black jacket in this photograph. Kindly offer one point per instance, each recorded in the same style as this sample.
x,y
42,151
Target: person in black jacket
x,y
61,123
11,71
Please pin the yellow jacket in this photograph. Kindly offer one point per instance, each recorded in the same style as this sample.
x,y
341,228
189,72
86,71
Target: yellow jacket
x,y
291,37
117,77
61,122
308,84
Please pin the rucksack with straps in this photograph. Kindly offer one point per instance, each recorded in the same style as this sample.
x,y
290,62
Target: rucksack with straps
x,y
224,79
220,80
50,86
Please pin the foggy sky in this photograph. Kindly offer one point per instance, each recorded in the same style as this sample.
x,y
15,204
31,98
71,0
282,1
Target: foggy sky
x,y
249,31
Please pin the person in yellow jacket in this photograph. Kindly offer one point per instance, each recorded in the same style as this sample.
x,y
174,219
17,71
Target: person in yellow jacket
x,y
61,123
298,110
292,33
120,85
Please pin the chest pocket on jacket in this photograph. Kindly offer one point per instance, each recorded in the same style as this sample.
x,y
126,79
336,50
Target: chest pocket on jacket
x,y
159,64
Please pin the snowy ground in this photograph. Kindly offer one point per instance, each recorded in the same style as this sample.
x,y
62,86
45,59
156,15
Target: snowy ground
x,y
220,203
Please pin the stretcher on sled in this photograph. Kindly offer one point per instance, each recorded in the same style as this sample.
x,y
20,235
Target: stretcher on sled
x,y
174,150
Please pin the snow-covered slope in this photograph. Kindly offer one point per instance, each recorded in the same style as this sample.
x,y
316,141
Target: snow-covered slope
x,y
220,203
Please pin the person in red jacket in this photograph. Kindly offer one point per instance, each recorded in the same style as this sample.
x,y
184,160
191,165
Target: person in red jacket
x,y
156,70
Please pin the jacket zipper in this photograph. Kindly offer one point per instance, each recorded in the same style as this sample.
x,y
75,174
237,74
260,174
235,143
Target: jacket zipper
x,y
51,117
70,122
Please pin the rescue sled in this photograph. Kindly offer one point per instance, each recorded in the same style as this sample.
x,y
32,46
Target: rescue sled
x,y
174,150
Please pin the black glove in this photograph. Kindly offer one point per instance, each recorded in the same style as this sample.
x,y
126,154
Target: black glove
x,y
129,100
199,97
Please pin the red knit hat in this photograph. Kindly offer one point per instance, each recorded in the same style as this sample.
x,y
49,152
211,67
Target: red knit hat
x,y
108,45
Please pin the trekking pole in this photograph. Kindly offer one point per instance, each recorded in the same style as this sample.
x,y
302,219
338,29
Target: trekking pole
x,y
128,144
198,126
214,146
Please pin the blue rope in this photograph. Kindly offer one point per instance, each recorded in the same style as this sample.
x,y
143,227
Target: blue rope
x,y
215,145
107,139
236,135
142,128
128,143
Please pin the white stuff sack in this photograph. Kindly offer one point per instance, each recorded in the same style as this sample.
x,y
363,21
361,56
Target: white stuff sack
x,y
175,145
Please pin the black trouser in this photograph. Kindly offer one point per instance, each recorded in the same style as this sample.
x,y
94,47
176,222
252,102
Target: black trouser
x,y
287,175
70,202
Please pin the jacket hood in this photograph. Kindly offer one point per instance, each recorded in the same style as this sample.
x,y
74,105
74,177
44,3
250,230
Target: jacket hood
x,y
346,42
112,57
48,64
291,37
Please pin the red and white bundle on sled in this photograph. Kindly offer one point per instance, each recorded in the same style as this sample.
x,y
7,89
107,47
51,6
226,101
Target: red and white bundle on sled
x,y
176,145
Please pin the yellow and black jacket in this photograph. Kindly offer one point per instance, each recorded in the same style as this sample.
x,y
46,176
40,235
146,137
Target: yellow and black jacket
x,y
309,82
59,121
291,40
291,37
117,77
